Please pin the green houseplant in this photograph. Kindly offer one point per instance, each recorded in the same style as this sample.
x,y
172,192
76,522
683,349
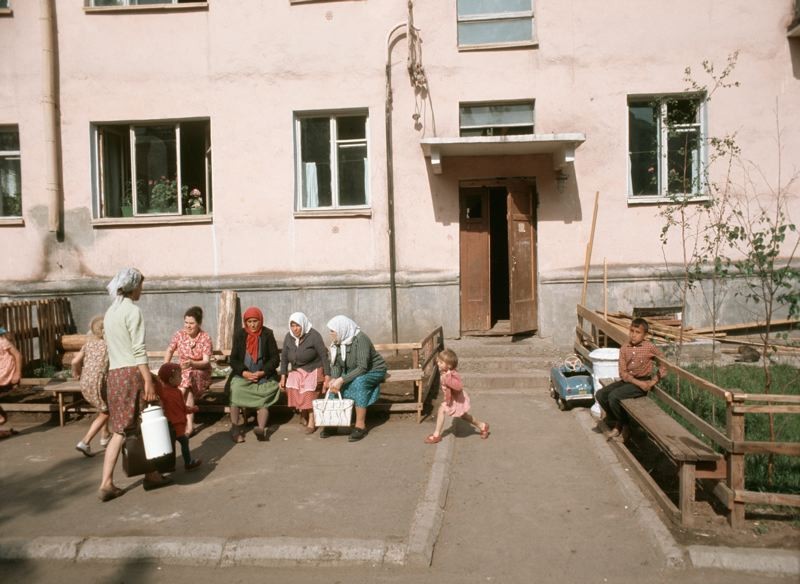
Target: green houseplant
x,y
163,195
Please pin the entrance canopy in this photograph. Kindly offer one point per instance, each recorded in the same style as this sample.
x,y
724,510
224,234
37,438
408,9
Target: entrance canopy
x,y
561,146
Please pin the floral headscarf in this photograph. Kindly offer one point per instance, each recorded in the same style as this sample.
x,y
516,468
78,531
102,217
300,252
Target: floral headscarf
x,y
253,338
305,325
346,330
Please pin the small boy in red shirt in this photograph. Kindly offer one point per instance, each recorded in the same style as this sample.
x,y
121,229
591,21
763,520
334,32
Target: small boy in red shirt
x,y
175,409
636,360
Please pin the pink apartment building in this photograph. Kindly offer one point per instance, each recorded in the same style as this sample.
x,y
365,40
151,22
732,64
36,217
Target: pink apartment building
x,y
407,164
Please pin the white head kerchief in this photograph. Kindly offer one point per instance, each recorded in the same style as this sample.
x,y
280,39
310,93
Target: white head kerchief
x,y
126,280
305,325
346,330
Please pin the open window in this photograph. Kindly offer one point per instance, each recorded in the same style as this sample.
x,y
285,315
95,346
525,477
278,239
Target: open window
x,y
160,168
496,118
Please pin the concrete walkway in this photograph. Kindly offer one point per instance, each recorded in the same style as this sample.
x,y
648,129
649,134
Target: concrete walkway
x,y
543,499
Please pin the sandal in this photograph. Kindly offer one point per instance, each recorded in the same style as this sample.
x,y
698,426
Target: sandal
x,y
106,495
485,431
433,439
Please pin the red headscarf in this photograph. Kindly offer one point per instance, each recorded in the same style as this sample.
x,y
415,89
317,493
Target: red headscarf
x,y
253,338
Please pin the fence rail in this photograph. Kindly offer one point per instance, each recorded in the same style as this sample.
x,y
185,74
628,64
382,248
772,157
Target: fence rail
x,y
731,492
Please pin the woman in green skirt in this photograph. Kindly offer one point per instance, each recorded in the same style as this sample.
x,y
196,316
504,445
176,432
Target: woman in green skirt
x,y
253,382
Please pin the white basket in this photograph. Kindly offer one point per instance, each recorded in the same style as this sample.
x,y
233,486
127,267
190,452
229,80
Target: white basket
x,y
333,412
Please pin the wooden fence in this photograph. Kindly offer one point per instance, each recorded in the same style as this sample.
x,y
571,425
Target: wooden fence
x,y
731,489
35,327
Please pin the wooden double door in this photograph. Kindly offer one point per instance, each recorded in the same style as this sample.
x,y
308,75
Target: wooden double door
x,y
498,257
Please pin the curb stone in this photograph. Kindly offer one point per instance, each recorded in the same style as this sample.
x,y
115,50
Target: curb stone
x,y
778,562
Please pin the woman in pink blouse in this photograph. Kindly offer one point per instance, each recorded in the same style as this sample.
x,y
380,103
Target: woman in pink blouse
x,y
193,346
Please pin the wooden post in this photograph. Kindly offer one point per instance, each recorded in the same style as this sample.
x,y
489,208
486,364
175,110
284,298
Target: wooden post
x,y
589,249
686,477
226,321
735,431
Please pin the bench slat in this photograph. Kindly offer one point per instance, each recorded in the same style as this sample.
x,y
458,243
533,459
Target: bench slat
x,y
680,444
403,375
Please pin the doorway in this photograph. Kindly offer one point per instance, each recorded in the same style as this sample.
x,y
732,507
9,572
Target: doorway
x,y
498,260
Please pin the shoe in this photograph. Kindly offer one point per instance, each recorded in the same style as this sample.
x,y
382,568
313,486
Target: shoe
x,y
236,434
357,434
8,433
192,465
613,434
106,495
261,434
84,449
433,439
485,431
310,429
153,485
327,432
104,441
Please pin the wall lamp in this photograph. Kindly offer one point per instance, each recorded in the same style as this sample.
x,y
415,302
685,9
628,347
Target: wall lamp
x,y
561,181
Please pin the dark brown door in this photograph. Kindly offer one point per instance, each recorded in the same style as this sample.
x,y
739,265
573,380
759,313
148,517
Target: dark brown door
x,y
475,283
522,258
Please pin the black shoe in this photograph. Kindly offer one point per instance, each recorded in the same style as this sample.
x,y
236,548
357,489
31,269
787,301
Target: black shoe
x,y
327,432
261,434
152,485
357,434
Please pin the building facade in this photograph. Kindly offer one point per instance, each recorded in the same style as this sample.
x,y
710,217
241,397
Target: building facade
x,y
407,164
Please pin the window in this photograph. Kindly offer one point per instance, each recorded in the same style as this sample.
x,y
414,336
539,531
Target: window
x,y
161,168
10,177
4,4
495,22
98,3
666,146
496,119
332,160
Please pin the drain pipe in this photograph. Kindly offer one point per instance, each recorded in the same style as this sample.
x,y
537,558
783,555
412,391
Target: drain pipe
x,y
52,118
390,181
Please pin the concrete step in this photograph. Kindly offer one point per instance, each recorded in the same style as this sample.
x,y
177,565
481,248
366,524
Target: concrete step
x,y
533,380
492,347
526,364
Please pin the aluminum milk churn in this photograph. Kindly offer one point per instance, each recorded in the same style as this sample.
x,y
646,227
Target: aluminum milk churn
x,y
155,433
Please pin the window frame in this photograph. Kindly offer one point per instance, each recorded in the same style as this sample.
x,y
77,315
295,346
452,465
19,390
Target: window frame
x,y
99,201
463,104
662,154
13,219
364,209
167,5
498,17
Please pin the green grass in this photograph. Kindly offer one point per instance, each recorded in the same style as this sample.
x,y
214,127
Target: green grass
x,y
749,379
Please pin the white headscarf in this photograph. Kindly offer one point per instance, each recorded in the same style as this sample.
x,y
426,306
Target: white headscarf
x,y
305,325
126,280
346,330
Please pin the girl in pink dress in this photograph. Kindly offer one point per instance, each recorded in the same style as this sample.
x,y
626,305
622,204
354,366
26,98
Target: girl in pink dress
x,y
456,401
10,372
193,346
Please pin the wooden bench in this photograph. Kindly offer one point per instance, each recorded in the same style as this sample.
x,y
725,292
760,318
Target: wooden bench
x,y
693,458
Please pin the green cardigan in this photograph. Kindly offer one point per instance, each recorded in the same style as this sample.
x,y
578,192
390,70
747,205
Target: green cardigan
x,y
361,358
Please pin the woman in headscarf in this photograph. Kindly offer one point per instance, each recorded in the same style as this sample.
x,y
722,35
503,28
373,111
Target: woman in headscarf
x,y
304,348
357,371
253,381
129,382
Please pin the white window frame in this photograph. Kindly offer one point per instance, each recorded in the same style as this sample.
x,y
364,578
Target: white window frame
x,y
98,182
90,5
498,17
13,154
333,150
531,102
663,130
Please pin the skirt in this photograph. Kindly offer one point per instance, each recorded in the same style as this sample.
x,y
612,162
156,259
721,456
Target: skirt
x,y
125,398
302,388
245,394
197,380
365,389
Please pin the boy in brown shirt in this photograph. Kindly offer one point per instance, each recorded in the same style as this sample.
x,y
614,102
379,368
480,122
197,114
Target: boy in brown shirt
x,y
636,360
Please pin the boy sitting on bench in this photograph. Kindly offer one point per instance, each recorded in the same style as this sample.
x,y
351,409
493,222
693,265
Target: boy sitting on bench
x,y
636,359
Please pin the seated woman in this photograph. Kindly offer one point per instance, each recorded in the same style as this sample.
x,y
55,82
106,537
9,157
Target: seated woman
x,y
193,346
10,373
304,349
358,371
253,381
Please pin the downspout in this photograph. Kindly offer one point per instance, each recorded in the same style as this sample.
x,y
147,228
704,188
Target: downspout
x,y
390,182
52,118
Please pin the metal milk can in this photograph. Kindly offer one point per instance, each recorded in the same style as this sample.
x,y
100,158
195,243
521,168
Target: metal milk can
x,y
155,433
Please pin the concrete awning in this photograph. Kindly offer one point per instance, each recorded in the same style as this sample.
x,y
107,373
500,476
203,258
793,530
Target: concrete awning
x,y
561,146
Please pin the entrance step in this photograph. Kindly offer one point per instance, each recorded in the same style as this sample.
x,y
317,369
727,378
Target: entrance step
x,y
513,380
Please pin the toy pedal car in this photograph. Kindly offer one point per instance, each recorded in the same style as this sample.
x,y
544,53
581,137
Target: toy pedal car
x,y
571,382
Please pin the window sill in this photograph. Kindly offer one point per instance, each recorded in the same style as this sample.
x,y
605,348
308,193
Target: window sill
x,y
361,212
188,6
659,200
500,46
6,12
151,221
12,222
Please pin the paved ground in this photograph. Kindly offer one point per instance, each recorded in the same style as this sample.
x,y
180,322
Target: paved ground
x,y
542,500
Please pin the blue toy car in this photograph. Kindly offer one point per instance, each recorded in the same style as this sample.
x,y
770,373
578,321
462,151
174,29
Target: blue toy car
x,y
571,383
